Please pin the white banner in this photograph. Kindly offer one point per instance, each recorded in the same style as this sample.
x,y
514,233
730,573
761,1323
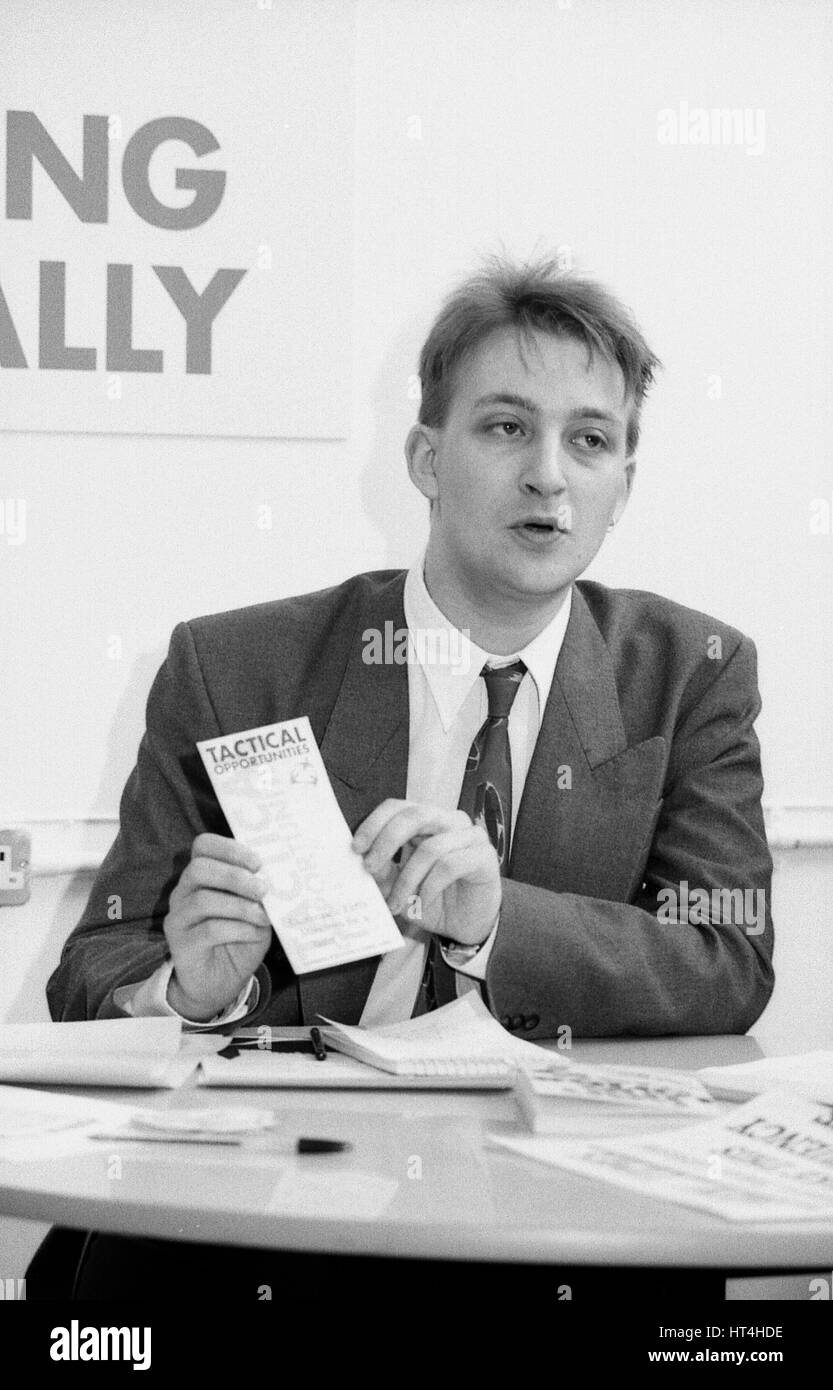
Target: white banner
x,y
159,271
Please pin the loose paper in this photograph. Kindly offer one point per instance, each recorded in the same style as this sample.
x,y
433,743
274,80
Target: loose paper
x,y
138,1037
206,1126
808,1074
40,1124
275,793
143,1052
768,1160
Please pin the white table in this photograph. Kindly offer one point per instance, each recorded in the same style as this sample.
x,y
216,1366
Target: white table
x,y
420,1181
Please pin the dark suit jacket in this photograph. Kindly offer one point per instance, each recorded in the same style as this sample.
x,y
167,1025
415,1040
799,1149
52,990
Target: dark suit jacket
x,y
665,787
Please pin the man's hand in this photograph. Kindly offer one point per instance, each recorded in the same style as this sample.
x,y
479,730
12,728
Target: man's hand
x,y
447,866
216,928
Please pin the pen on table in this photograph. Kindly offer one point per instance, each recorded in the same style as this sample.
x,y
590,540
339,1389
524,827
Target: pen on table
x,y
304,1145
233,1049
318,1044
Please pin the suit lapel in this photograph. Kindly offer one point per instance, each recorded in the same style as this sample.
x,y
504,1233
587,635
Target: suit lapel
x,y
365,744
589,801
365,751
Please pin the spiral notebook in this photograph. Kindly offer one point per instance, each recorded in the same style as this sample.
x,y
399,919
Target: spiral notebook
x,y
461,1039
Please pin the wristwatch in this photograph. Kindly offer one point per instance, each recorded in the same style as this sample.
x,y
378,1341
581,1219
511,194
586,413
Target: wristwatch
x,y
463,954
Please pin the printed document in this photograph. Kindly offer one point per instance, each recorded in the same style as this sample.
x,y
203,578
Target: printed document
x,y
768,1160
323,903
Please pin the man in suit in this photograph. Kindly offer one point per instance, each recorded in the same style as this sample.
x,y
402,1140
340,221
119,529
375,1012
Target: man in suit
x,y
635,768
611,733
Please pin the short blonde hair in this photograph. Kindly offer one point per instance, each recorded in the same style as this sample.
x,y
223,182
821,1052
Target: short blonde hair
x,y
533,296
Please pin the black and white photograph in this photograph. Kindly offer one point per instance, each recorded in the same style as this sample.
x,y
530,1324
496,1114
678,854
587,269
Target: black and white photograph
x,y
416,770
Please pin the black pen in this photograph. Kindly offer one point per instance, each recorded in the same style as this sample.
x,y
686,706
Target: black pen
x,y
318,1044
322,1146
304,1145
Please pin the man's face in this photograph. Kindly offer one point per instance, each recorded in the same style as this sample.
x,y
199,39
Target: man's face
x,y
529,468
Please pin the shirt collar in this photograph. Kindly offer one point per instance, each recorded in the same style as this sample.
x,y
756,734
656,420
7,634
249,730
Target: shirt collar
x,y
452,663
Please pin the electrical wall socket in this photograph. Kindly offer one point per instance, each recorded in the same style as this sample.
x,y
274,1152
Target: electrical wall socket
x,y
15,858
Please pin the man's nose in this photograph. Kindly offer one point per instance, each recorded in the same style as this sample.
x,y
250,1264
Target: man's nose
x,y
543,473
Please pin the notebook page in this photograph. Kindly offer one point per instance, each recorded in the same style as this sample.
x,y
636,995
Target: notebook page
x,y
461,1031
340,1072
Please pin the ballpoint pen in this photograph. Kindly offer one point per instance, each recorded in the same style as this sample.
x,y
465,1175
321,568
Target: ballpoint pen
x,y
318,1044
304,1145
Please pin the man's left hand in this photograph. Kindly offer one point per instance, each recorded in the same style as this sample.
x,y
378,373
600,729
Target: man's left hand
x,y
448,877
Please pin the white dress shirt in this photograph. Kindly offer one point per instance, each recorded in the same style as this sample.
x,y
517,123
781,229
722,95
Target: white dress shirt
x,y
149,999
447,706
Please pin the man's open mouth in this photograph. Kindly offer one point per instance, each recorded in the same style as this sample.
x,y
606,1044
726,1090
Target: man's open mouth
x,y
538,526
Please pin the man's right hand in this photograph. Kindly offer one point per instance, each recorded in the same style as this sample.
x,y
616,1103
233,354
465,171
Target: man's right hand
x,y
216,928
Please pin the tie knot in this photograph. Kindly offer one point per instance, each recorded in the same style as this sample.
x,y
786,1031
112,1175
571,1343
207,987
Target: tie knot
x,y
502,684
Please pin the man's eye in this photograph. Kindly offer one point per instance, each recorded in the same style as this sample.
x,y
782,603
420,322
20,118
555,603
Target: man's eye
x,y
589,439
510,429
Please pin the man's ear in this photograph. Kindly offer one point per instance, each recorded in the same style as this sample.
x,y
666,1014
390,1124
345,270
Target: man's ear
x,y
628,474
420,452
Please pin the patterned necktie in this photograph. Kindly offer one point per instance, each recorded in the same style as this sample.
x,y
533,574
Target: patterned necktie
x,y
486,794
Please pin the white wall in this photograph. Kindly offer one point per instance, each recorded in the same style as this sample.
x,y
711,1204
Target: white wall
x,y
529,126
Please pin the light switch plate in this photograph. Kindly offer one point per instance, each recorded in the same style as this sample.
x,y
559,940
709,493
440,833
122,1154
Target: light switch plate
x,y
15,858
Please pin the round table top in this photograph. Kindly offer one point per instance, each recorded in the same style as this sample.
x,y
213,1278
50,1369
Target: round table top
x,y
420,1180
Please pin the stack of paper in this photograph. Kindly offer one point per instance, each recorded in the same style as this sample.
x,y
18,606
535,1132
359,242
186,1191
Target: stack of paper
x,y
645,1090
143,1052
